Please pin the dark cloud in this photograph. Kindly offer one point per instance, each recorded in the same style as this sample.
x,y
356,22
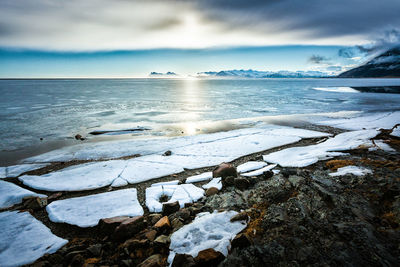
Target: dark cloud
x,y
346,52
317,59
389,39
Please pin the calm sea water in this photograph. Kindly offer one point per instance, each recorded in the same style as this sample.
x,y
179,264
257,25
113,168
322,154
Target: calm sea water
x,y
56,110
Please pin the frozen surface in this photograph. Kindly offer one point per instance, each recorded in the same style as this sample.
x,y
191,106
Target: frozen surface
x,y
380,144
259,171
342,89
119,182
199,178
88,210
250,166
184,193
358,171
77,178
307,155
23,239
396,131
16,170
11,194
370,121
216,182
174,182
208,230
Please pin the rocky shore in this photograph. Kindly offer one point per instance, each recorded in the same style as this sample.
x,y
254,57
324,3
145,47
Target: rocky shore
x,y
297,217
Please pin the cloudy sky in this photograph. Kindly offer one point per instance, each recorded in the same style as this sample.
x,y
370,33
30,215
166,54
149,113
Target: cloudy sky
x,y
126,38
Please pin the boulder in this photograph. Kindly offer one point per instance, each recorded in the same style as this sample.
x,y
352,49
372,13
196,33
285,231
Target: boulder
x,y
176,224
224,170
162,240
169,208
155,218
240,241
240,217
151,235
95,250
163,224
79,137
108,225
209,257
155,260
211,191
241,183
167,153
34,203
183,260
129,227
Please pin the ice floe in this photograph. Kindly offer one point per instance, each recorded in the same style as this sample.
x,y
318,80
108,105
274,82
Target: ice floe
x,y
174,182
184,193
16,170
307,155
396,131
250,166
23,239
216,182
380,144
208,230
77,178
119,182
259,171
11,194
358,171
205,176
88,210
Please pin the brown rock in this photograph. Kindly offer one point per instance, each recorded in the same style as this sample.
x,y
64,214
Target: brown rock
x,y
163,223
34,203
79,137
240,241
154,217
224,170
228,181
211,191
240,217
108,225
151,235
128,228
176,224
268,174
241,183
169,208
54,196
153,261
167,153
162,240
134,244
183,214
183,260
209,257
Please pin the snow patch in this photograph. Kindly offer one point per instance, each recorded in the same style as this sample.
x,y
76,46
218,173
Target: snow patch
x,y
11,194
205,176
260,171
88,210
23,239
396,132
216,182
250,166
119,182
16,170
358,171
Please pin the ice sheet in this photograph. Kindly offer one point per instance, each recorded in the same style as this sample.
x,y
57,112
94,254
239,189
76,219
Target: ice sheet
x,y
259,171
250,166
23,239
199,178
88,210
11,194
216,182
396,131
16,170
208,230
307,155
358,171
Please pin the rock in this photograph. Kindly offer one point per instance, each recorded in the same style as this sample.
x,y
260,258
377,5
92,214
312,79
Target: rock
x,y
224,170
286,172
152,261
241,183
211,191
227,181
183,260
209,257
268,174
295,180
169,208
128,228
162,240
240,217
54,196
34,203
163,224
108,225
127,263
151,235
167,153
95,250
79,137
176,224
75,258
184,214
133,244
155,218
240,241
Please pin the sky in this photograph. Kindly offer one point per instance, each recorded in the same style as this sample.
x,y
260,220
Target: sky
x,y
131,38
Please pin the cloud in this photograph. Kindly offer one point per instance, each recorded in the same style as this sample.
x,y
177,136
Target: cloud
x,y
388,39
317,59
145,24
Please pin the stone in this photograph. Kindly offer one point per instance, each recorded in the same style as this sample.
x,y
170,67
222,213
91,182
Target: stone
x,y
95,250
79,137
155,260
295,180
34,203
133,244
54,196
240,241
129,227
241,183
227,181
162,240
224,170
163,224
209,257
183,260
211,191
184,214
268,174
154,218
242,216
167,153
169,208
151,235
176,224
108,225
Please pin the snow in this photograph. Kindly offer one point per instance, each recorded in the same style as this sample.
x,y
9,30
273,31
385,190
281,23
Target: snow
x,y
380,144
367,121
199,178
184,193
86,176
358,171
11,194
396,132
208,230
174,182
260,171
23,239
304,156
88,210
216,182
16,170
341,89
119,182
250,166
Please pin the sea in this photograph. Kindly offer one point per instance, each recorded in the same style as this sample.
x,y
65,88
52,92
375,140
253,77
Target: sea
x,y
39,115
